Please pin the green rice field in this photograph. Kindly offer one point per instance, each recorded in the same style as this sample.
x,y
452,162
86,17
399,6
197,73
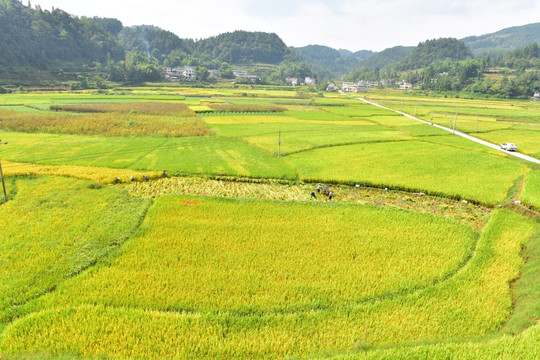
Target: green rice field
x,y
166,222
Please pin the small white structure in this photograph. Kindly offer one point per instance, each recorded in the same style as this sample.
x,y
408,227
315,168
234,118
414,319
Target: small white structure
x,y
332,87
253,78
189,73
240,73
292,81
403,85
537,95
180,73
354,87
310,81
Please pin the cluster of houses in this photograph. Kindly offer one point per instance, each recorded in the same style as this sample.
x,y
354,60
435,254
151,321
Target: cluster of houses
x,y
188,73
180,73
244,74
362,86
295,82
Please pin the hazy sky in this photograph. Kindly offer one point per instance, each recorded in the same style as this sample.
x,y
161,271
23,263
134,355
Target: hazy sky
x,y
347,24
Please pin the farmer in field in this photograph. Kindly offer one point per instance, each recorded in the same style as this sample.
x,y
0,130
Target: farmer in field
x,y
330,194
313,196
319,187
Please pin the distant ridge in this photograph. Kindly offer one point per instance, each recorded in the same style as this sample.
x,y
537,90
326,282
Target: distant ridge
x,y
508,39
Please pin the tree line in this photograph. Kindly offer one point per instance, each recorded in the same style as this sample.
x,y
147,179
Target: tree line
x,y
36,39
447,65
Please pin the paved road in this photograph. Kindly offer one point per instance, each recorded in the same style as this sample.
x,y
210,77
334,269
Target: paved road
x,y
459,133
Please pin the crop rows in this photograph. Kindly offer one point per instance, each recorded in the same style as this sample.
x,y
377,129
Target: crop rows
x,y
531,189
111,124
188,268
494,121
230,256
421,166
55,228
231,188
231,108
148,108
100,175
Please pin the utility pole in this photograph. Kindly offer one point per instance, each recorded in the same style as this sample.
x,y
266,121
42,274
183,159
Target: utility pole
x,y
402,106
431,117
279,144
416,108
3,183
455,119
477,116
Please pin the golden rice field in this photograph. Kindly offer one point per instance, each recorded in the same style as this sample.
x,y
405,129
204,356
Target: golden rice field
x,y
55,228
422,252
469,214
109,124
100,175
149,108
178,290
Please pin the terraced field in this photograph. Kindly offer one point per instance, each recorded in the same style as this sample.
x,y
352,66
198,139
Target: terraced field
x,y
422,251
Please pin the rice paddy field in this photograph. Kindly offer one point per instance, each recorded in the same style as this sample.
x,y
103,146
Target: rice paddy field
x,y
163,222
495,121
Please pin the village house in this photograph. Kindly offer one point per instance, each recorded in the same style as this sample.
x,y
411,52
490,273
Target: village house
x,y
404,85
180,73
292,81
537,95
253,78
189,73
240,73
353,87
310,81
332,87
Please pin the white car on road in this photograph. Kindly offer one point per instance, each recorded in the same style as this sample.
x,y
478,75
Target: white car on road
x,y
509,146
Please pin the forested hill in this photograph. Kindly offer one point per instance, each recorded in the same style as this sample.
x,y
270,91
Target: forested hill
x,y
38,38
33,37
386,57
328,61
430,51
505,40
35,41
241,47
154,41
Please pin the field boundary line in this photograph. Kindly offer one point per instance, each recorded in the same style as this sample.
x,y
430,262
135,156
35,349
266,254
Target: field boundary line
x,y
459,133
461,266
285,154
10,315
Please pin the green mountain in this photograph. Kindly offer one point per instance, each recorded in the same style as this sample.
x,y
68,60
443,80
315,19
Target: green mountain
x,y
387,57
153,41
242,47
327,61
430,51
38,38
363,54
330,62
504,40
